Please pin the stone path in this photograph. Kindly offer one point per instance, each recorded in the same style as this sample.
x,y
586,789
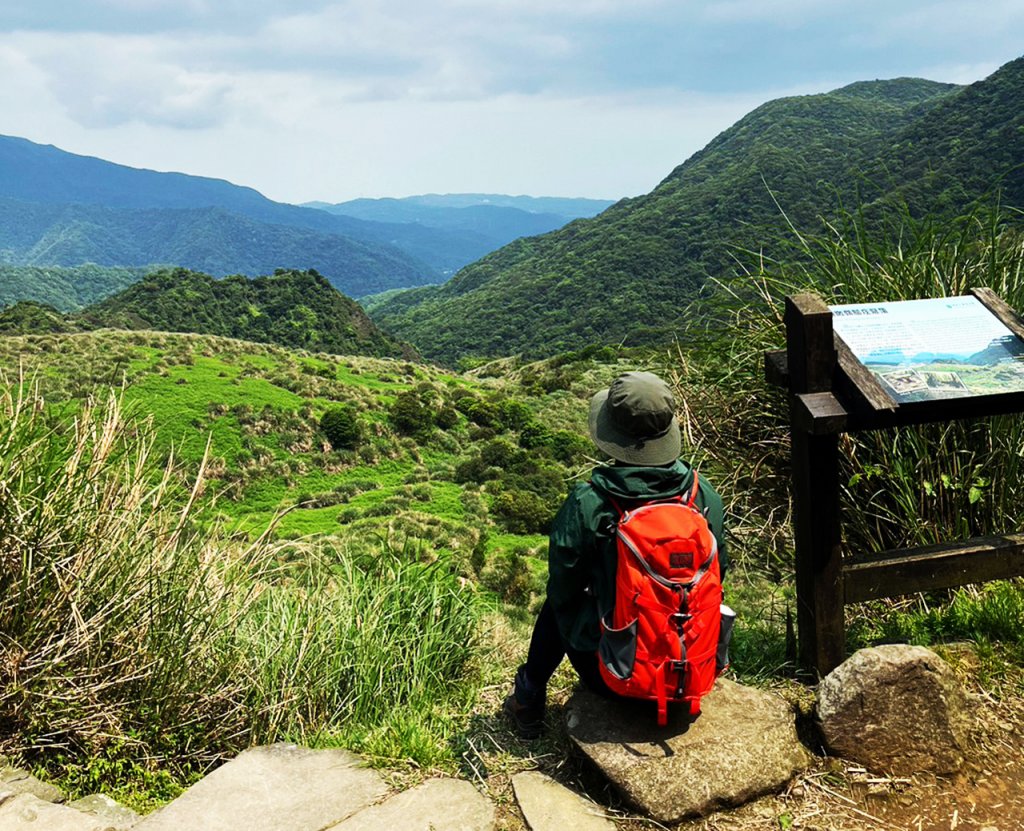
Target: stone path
x,y
289,788
284,787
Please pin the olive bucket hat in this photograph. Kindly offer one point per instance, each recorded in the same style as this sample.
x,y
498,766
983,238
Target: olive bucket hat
x,y
634,420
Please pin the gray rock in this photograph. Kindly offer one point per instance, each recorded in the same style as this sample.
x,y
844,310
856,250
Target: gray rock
x,y
435,805
277,788
17,781
26,812
743,745
114,813
897,709
549,806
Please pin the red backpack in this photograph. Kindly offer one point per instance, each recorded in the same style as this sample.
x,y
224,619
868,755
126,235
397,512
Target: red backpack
x,y
660,639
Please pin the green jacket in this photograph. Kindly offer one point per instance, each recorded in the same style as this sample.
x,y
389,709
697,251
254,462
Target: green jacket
x,y
582,550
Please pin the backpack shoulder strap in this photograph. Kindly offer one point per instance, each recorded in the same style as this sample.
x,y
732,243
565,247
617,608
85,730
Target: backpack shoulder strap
x,y
692,502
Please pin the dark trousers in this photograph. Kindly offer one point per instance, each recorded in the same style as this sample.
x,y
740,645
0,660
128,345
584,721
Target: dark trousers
x,y
547,650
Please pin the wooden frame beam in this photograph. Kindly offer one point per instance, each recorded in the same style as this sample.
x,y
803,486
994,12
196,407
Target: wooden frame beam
x,y
944,566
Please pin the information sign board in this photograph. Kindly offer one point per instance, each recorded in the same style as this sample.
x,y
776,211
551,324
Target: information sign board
x,y
926,350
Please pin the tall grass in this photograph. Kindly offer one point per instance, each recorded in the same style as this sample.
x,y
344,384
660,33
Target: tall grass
x,y
911,486
130,632
905,487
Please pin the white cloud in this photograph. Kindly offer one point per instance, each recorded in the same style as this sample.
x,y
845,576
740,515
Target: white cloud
x,y
103,80
337,98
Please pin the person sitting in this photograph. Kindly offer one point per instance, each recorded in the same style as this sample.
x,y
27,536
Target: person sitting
x,y
634,422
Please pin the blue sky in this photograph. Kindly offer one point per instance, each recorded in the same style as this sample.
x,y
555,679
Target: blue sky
x,y
319,99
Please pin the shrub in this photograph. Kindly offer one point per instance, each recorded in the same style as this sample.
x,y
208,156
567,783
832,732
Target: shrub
x,y
523,512
533,435
447,417
410,416
508,575
340,424
484,413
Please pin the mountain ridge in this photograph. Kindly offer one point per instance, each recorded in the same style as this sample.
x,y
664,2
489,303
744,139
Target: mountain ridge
x,y
47,175
628,274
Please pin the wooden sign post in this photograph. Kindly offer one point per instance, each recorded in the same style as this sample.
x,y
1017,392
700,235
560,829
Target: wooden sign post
x,y
833,391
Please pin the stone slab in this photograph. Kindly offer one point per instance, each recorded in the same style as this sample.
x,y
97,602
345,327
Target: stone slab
x,y
280,787
435,805
18,781
549,806
26,812
742,745
112,812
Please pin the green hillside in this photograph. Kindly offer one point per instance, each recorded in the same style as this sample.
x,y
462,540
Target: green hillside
x,y
968,145
291,308
470,461
628,274
27,317
65,288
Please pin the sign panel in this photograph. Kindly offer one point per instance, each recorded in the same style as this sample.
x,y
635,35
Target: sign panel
x,y
924,350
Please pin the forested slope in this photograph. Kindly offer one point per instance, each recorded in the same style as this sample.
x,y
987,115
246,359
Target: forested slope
x,y
290,308
628,274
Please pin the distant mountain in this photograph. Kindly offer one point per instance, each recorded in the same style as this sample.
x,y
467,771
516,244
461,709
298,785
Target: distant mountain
x,y
40,184
446,210
480,222
628,274
45,175
65,289
290,308
213,240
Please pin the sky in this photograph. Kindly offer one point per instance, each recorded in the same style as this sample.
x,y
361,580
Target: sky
x,y
336,99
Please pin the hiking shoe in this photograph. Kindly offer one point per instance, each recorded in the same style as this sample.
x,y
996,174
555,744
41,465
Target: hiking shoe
x,y
525,707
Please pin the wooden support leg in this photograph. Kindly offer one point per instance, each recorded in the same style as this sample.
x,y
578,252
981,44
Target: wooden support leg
x,y
819,585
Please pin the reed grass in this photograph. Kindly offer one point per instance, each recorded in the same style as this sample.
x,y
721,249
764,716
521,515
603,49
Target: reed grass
x,y
906,487
134,638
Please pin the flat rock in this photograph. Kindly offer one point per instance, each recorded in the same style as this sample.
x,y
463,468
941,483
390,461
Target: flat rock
x,y
549,806
110,811
741,746
27,812
895,708
281,787
435,805
16,780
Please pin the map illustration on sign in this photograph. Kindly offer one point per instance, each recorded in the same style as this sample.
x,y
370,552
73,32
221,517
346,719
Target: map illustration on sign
x,y
924,350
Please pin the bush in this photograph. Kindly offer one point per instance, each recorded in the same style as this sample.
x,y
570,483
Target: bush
x,y
508,575
410,416
523,512
484,413
447,417
340,424
514,413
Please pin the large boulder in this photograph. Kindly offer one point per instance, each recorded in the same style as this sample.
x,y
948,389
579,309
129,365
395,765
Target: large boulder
x,y
895,708
741,746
